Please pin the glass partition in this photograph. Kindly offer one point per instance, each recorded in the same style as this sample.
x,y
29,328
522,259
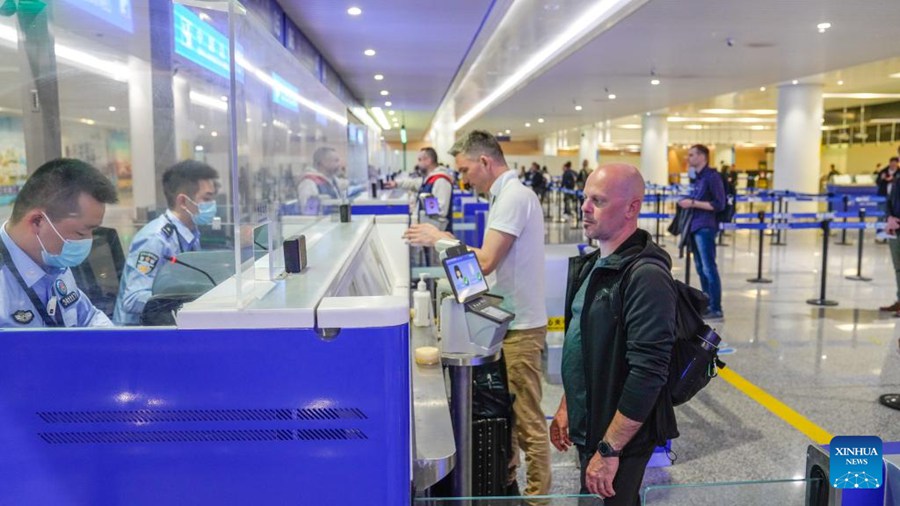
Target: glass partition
x,y
749,493
134,87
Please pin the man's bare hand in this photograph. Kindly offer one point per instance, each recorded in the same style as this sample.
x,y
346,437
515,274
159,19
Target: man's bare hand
x,y
424,234
559,430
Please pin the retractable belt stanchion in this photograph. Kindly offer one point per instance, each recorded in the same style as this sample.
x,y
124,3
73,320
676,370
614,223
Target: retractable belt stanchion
x,y
658,211
822,301
687,260
783,211
560,198
859,248
759,263
846,201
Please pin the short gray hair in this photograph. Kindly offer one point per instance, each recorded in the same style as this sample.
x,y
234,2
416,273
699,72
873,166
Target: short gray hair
x,y
477,143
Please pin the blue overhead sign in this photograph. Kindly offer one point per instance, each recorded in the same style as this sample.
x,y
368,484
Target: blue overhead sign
x,y
200,43
114,12
279,95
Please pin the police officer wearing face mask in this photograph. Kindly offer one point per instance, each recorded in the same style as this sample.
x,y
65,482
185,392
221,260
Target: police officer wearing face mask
x,y
190,189
51,230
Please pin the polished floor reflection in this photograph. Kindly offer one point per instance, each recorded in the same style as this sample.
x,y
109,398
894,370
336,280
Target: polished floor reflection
x,y
820,370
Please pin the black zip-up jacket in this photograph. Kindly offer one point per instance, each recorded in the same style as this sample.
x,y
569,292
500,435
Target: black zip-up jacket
x,y
627,338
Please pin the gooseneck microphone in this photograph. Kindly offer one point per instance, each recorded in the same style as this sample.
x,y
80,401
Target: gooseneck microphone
x,y
189,266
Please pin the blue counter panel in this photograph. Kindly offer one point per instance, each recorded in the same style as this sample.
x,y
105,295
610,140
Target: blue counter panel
x,y
231,417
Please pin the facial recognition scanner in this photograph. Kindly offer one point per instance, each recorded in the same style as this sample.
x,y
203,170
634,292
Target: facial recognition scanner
x,y
471,320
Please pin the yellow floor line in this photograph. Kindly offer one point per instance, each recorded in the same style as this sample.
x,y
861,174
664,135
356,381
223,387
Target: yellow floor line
x,y
778,408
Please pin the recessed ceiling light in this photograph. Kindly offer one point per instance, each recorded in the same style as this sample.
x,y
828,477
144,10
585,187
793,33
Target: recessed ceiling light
x,y
249,120
112,108
795,81
354,11
202,127
388,103
391,113
823,26
577,107
840,83
611,96
757,127
527,125
214,133
762,88
385,93
499,134
223,98
198,148
540,120
379,77
369,52
654,82
507,131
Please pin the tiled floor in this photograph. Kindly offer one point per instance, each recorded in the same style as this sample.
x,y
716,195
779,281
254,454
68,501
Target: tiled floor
x,y
827,364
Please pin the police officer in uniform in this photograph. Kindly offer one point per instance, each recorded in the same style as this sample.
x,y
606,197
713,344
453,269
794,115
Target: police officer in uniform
x,y
322,182
51,230
190,189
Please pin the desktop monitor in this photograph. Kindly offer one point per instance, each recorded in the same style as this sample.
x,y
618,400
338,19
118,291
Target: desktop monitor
x,y
465,277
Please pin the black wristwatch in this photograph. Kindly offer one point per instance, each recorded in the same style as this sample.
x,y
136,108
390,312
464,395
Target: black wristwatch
x,y
606,450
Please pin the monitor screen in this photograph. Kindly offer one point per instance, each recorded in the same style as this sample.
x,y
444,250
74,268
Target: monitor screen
x,y
432,207
465,277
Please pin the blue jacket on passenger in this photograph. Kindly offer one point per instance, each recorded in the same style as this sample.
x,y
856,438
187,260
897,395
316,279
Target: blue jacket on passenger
x,y
166,236
708,187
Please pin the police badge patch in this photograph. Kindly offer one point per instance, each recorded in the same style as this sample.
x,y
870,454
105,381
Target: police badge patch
x,y
146,262
69,299
23,316
61,287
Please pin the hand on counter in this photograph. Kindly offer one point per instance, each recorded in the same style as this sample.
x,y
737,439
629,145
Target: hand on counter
x,y
425,234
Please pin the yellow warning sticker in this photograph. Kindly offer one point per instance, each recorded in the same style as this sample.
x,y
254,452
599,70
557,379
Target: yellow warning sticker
x,y
556,324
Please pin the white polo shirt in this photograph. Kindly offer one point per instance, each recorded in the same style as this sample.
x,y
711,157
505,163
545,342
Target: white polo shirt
x,y
519,277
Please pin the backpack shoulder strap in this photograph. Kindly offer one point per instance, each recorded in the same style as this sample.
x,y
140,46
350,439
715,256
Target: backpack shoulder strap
x,y
626,275
440,175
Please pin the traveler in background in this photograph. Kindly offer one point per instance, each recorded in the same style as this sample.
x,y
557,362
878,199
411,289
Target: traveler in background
x,y
583,174
435,181
514,250
893,224
569,179
618,341
322,182
51,230
886,178
190,190
707,197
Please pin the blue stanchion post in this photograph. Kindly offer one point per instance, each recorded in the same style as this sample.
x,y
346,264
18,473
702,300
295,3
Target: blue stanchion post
x,y
822,301
859,248
759,279
658,211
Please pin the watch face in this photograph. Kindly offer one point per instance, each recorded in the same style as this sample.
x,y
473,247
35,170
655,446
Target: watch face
x,y
605,449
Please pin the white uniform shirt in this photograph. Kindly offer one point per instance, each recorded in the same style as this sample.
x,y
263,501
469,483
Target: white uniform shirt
x,y
515,210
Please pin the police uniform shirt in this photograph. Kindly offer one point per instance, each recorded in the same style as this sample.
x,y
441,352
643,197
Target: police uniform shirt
x,y
165,236
54,288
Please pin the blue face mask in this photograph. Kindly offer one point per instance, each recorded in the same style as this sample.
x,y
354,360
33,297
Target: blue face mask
x,y
73,252
206,211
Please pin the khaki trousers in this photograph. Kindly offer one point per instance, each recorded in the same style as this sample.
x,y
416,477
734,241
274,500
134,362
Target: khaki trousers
x,y
522,351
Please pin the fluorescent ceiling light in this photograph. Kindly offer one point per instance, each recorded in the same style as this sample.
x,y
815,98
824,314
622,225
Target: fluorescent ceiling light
x,y
654,82
757,127
385,93
363,115
861,96
207,101
585,22
714,119
693,127
369,52
629,126
379,77
740,111
288,92
87,121
380,118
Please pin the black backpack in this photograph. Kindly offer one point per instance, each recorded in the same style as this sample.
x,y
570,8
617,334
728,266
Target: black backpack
x,y
695,358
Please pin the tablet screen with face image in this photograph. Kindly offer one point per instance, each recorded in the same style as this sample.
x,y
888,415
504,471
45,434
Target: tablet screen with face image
x,y
465,277
430,205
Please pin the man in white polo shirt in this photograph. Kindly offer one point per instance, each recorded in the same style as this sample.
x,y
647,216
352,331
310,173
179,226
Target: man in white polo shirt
x,y
513,249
